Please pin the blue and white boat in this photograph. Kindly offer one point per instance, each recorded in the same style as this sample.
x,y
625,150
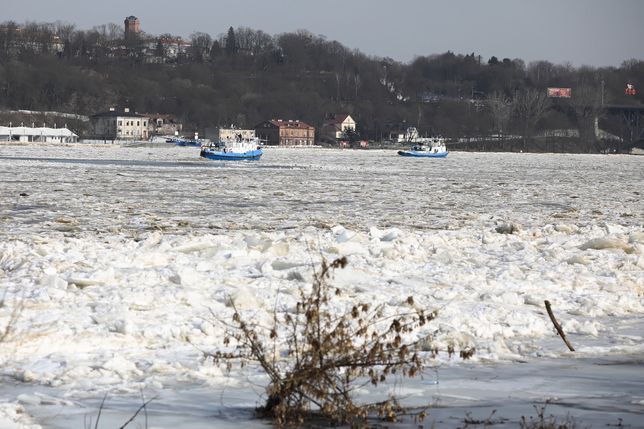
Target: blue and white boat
x,y
240,148
184,142
433,147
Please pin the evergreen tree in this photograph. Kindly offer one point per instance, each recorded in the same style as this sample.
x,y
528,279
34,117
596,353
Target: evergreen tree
x,y
231,43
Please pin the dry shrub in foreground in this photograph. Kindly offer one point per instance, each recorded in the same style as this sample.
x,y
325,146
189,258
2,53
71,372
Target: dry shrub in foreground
x,y
541,421
329,355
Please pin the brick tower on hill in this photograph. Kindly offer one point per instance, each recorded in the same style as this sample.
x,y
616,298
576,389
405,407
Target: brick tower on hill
x,y
132,26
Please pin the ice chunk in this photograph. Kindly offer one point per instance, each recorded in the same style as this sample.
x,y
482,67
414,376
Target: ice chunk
x,y
603,243
245,299
391,235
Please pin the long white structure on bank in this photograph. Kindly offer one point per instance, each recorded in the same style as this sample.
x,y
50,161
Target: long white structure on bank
x,y
38,134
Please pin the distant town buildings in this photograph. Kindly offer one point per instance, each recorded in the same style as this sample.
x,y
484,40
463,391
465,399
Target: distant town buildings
x,y
278,132
135,43
167,49
119,124
16,40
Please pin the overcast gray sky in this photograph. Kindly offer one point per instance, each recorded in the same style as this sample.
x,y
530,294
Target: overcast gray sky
x,y
591,32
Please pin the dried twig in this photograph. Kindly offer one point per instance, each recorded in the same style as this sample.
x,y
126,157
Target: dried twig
x,y
557,326
142,407
100,410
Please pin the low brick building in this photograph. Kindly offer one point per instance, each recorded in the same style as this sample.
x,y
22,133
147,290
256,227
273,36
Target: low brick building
x,y
279,132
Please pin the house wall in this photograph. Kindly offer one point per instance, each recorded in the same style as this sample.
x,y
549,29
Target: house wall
x,y
290,136
231,134
120,127
286,133
132,128
348,123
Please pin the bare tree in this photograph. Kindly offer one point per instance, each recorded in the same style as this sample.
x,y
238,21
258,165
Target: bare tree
x,y
586,103
114,32
8,35
541,72
253,42
530,106
200,46
501,108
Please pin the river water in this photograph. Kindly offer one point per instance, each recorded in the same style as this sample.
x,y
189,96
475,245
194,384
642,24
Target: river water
x,y
117,258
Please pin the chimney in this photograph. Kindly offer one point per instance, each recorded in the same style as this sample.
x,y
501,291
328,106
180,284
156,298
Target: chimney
x,y
112,109
126,110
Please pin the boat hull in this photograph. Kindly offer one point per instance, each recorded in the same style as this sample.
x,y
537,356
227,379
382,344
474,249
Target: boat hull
x,y
182,142
416,154
231,156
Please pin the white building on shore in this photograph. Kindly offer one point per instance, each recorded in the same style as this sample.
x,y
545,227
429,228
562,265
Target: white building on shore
x,y
228,134
119,124
37,134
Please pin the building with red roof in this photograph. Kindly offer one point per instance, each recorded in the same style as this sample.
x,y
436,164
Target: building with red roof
x,y
279,132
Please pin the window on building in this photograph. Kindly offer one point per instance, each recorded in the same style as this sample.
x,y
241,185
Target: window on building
x,y
138,123
120,123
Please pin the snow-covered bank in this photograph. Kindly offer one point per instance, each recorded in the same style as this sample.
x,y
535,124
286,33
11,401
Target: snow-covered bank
x,y
119,258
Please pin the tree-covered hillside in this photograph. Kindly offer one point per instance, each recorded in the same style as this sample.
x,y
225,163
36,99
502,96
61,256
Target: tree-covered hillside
x,y
244,76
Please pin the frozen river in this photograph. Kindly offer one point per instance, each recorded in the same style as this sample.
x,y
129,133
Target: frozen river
x,y
117,258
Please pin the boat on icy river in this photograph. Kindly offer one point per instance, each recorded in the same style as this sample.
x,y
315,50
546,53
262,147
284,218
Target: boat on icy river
x,y
239,148
433,147
184,142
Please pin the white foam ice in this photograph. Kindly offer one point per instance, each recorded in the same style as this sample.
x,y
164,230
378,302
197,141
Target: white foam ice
x,y
124,262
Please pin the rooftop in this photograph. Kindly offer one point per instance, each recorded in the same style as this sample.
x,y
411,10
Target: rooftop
x,y
113,112
290,123
36,131
337,118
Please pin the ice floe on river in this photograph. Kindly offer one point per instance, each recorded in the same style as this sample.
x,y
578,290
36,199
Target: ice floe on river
x,y
121,261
